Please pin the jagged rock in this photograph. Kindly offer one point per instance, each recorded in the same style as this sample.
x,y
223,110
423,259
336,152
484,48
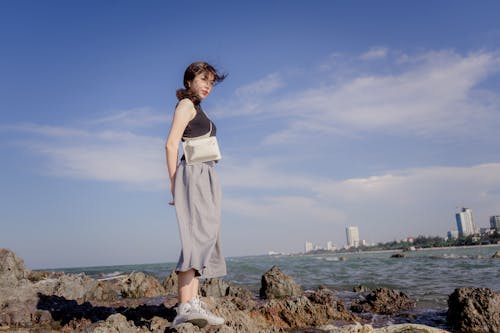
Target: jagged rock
x,y
139,285
185,328
170,284
35,276
69,286
315,309
329,304
474,310
496,255
355,328
408,328
383,301
12,269
275,284
240,319
400,328
220,288
116,323
361,289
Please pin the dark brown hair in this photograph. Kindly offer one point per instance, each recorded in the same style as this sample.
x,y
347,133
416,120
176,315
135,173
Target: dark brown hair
x,y
190,73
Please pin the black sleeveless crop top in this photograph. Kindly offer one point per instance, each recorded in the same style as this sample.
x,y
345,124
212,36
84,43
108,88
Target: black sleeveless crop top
x,y
199,125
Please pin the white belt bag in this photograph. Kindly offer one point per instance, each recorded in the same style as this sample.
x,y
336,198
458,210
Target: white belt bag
x,y
201,149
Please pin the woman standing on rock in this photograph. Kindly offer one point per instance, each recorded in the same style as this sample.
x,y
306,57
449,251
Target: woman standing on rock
x,y
196,195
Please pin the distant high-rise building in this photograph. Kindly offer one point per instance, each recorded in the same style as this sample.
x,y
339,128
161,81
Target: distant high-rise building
x,y
452,234
330,246
495,222
352,234
465,223
309,247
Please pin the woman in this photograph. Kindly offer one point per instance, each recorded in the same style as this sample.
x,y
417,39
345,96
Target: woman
x,y
196,195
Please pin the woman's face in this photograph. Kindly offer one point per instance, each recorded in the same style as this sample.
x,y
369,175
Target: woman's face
x,y
202,85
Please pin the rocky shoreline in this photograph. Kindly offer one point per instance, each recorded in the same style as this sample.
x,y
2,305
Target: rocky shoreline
x,y
34,301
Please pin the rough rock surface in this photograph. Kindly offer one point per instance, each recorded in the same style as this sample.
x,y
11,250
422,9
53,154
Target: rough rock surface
x,y
496,255
12,269
170,284
474,310
305,311
57,302
139,285
220,288
116,323
400,328
384,301
275,284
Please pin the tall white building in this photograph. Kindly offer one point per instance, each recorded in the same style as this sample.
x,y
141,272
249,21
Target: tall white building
x,y
308,247
465,223
352,234
330,246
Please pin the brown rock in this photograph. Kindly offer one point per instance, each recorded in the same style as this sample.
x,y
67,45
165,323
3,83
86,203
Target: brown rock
x,y
496,255
116,323
329,304
275,284
398,255
220,288
474,310
384,301
139,285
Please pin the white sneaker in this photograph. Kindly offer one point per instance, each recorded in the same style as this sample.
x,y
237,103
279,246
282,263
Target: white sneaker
x,y
197,306
185,314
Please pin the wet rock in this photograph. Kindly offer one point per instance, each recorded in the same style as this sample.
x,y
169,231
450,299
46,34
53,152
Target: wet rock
x,y
275,284
474,310
311,310
398,255
496,255
361,289
220,288
327,303
400,328
408,328
12,269
139,285
355,328
383,301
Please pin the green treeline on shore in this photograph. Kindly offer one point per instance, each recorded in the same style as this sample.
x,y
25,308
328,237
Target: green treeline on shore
x,y
430,242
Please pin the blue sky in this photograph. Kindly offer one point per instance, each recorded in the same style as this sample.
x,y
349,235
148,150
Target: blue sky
x,y
383,115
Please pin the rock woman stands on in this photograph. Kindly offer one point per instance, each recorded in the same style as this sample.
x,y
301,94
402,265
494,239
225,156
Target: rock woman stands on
x,y
196,195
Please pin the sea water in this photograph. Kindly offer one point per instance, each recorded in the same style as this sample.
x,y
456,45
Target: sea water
x,y
428,276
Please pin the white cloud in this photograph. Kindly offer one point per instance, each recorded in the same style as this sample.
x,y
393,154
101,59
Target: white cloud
x,y
438,94
394,204
375,53
114,155
132,118
261,87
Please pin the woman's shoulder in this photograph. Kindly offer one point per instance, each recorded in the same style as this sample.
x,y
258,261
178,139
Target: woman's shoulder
x,y
186,102
185,105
